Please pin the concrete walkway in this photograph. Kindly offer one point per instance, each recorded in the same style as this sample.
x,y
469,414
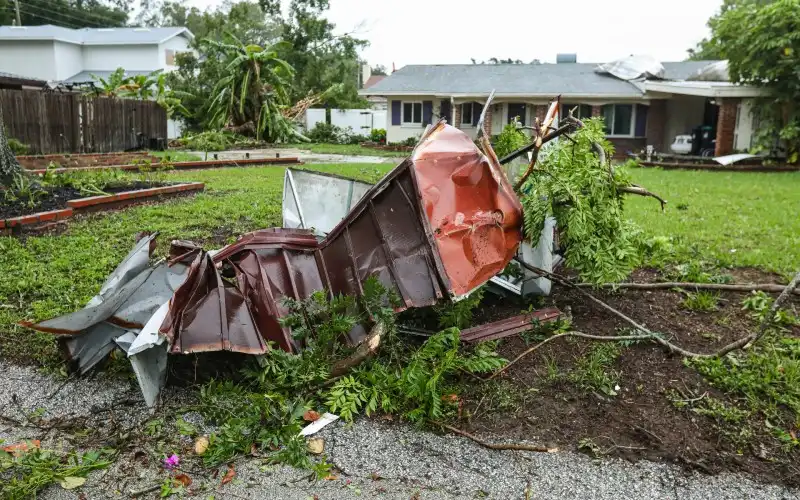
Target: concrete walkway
x,y
303,154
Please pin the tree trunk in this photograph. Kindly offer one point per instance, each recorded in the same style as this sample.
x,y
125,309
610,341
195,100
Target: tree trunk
x,y
9,166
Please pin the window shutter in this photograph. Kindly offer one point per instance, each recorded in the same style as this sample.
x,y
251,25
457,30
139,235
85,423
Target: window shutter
x,y
641,121
477,109
396,112
427,112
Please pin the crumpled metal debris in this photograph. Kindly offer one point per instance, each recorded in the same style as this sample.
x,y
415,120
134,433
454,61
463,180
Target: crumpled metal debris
x,y
439,224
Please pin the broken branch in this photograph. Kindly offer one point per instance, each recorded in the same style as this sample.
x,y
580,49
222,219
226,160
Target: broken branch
x,y
738,344
756,287
495,446
643,192
604,338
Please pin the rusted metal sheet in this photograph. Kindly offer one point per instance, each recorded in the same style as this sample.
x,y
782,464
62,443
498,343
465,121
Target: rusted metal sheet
x,y
471,208
509,326
441,223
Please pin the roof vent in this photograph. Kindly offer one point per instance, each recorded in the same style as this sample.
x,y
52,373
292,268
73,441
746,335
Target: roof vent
x,y
566,58
18,27
141,29
105,29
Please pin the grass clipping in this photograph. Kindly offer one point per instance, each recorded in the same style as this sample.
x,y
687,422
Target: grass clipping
x,y
583,193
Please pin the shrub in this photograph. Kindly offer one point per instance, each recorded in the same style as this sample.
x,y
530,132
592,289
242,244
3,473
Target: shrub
x,y
378,135
17,147
324,132
510,139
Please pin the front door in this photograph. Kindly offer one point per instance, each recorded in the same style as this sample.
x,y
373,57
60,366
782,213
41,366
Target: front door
x,y
444,110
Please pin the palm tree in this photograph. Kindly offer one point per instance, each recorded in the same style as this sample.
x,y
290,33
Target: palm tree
x,y
111,86
251,98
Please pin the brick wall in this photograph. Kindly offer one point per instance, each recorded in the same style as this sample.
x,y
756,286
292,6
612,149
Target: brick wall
x,y
656,121
541,112
487,122
624,144
726,125
597,111
456,115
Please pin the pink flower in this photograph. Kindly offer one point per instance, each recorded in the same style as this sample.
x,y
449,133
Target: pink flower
x,y
172,461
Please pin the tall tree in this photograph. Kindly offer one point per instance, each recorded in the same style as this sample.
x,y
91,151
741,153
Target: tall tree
x,y
67,13
320,57
379,70
761,41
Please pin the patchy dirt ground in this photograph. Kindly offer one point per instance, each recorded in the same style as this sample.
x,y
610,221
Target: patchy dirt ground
x,y
651,416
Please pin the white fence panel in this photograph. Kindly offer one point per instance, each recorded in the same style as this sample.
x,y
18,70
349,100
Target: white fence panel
x,y
313,116
362,121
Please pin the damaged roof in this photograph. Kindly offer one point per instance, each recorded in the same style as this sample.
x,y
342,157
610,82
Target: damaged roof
x,y
568,79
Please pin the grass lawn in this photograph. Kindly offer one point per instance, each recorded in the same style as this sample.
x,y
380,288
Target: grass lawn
x,y
344,149
757,215
738,218
176,155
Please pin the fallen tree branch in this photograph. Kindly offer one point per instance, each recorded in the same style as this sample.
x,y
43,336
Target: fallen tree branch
x,y
738,344
364,350
496,446
643,192
605,338
755,287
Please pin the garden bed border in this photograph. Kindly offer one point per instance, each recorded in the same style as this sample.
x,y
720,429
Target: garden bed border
x,y
98,203
180,165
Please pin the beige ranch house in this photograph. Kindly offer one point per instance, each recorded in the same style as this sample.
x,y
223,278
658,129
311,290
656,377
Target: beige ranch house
x,y
638,113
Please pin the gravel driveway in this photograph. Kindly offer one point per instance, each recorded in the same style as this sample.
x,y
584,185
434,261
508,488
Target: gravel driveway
x,y
374,457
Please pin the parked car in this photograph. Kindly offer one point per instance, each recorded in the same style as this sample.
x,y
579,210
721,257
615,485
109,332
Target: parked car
x,y
682,145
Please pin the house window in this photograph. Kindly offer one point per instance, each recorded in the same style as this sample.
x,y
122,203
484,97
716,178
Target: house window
x,y
618,119
412,112
467,113
516,110
582,111
169,55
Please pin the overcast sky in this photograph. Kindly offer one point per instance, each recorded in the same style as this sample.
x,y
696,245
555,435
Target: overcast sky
x,y
451,31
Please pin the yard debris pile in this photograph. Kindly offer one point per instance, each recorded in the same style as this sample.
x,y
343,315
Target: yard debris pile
x,y
439,225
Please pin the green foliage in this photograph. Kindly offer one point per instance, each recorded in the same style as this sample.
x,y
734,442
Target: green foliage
x,y
458,314
767,375
212,140
701,301
267,413
323,132
582,194
378,135
593,372
333,134
67,13
25,473
17,147
510,139
23,189
251,96
322,56
761,42
759,304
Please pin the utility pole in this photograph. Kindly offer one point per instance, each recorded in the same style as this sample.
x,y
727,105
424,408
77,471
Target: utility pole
x,y
19,22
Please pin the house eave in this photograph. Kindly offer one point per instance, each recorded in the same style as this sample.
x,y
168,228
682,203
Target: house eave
x,y
500,95
710,89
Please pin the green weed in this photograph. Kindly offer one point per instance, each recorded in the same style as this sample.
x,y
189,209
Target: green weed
x,y
25,473
701,301
593,372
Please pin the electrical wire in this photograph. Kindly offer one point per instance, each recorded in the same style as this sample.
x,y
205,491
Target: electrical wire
x,y
59,21
80,16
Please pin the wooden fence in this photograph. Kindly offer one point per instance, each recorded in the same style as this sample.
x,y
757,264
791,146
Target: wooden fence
x,y
71,123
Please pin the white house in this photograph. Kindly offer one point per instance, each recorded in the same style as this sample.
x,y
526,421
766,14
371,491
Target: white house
x,y
637,113
58,54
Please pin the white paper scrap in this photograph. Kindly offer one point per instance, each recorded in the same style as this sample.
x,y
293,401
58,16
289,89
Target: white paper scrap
x,y
317,426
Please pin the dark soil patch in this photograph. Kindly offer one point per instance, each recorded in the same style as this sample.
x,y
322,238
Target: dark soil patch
x,y
536,400
55,198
